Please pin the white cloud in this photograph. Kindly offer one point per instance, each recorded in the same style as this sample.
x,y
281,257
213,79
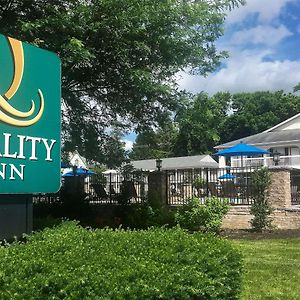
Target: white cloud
x,y
267,10
254,69
266,35
247,72
128,144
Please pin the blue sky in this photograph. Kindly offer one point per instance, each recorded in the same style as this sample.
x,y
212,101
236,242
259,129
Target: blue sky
x,y
263,41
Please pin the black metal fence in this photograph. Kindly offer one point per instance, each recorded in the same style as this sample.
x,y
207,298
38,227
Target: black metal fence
x,y
105,189
116,188
230,183
227,183
295,187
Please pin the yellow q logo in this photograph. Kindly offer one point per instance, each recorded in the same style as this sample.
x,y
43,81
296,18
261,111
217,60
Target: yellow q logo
x,y
9,114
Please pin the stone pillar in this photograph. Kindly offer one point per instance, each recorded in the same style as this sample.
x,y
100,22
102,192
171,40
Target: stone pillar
x,y
157,187
280,189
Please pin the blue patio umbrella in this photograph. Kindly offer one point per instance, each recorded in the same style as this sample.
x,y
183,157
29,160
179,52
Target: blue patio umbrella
x,y
79,172
242,149
227,176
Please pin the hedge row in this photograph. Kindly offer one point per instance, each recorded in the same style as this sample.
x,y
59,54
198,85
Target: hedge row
x,y
70,262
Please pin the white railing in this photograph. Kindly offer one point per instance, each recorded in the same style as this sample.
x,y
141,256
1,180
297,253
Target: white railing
x,y
291,160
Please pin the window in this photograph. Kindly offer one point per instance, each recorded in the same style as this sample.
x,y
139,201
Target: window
x,y
286,151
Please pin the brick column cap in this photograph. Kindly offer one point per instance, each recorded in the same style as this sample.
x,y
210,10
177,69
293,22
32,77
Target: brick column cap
x,y
281,168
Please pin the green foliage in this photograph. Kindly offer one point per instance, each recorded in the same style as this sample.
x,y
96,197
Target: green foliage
x,y
150,213
40,223
119,58
99,177
296,87
127,171
199,182
202,122
206,217
256,112
261,209
70,262
153,144
199,124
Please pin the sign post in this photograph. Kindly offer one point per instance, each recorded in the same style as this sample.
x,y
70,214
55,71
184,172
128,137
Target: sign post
x,y
29,130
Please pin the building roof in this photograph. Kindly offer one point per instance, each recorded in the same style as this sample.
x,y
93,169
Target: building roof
x,y
173,163
283,123
76,156
267,138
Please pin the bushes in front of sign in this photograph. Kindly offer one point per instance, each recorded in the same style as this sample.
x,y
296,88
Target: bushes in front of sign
x,y
70,262
71,204
206,217
47,214
143,216
149,213
46,222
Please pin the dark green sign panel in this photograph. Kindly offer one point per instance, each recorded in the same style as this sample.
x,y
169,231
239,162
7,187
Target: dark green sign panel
x,y
29,119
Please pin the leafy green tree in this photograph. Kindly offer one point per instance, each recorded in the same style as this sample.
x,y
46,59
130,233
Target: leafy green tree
x,y
203,122
200,124
119,57
297,87
261,208
252,113
109,151
156,143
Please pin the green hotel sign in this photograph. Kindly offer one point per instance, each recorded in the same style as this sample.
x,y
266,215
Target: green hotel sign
x,y
29,118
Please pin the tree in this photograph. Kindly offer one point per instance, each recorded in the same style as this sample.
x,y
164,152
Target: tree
x,y
261,208
199,124
252,113
296,87
203,122
153,144
119,57
110,151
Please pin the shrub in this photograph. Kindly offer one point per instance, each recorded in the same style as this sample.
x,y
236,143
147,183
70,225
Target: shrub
x,y
199,182
260,208
45,222
70,262
206,217
147,214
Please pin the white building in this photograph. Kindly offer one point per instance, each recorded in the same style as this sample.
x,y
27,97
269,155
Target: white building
x,y
283,138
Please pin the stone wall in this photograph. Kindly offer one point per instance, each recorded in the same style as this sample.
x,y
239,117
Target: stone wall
x,y
239,217
288,218
285,216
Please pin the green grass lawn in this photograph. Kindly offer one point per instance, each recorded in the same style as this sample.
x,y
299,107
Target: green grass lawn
x,y
272,268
